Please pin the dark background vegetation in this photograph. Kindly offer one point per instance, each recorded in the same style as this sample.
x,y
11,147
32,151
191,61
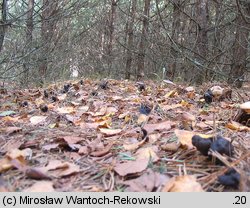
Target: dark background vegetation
x,y
43,41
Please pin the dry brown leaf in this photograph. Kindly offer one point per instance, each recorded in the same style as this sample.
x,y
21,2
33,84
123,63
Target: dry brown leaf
x,y
142,119
134,146
72,139
186,183
237,126
50,147
37,119
58,168
171,147
101,112
62,97
89,125
84,150
149,181
36,173
110,132
148,154
185,137
70,170
10,119
13,158
41,186
163,126
131,167
5,164
171,94
12,144
171,107
55,164
96,144
154,138
116,98
190,89
202,125
71,118
12,129
185,116
103,152
111,110
66,110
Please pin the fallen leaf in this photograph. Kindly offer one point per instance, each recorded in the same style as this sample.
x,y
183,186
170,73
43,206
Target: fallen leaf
x,y
55,164
58,168
66,110
134,146
147,182
111,110
110,132
185,137
13,158
7,113
11,144
147,153
186,183
10,119
83,109
62,97
142,119
37,119
89,125
84,150
116,98
190,89
5,164
131,167
72,139
70,170
143,157
50,147
103,152
171,94
12,129
171,147
36,173
237,126
41,186
154,137
101,111
166,126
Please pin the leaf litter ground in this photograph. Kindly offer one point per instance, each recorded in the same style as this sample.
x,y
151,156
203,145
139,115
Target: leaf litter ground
x,y
81,136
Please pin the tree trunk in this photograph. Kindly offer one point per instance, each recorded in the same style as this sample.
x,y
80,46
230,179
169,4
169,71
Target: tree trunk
x,y
176,26
217,46
29,34
111,34
29,22
202,39
130,44
49,20
143,41
3,18
240,47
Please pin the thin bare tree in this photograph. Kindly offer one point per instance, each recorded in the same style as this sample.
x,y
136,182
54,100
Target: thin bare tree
x,y
143,41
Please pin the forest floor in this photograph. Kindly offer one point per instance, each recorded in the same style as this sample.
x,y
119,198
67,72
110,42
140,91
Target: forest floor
x,y
120,136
